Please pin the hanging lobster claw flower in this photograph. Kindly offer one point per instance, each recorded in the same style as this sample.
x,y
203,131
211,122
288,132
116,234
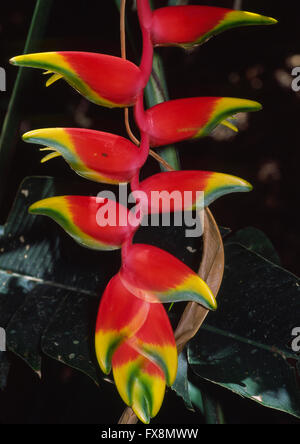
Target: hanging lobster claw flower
x,y
140,382
103,79
143,365
94,155
154,275
99,224
187,26
136,339
184,119
188,190
120,317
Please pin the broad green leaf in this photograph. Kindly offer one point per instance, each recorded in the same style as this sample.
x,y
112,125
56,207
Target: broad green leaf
x,y
255,240
69,337
196,397
246,345
23,337
181,385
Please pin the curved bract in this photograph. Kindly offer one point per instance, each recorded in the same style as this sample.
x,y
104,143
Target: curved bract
x,y
154,275
188,26
94,155
183,119
120,317
103,79
99,225
188,190
140,382
136,340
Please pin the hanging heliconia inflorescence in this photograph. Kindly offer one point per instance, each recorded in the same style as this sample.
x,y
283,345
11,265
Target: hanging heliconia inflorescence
x,y
134,338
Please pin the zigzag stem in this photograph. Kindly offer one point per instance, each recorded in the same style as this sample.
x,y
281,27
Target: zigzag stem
x,y
132,137
213,259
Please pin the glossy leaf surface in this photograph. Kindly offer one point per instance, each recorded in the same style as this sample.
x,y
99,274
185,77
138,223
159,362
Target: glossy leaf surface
x,y
246,346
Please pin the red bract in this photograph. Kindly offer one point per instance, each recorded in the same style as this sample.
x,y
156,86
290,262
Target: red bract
x,y
99,224
184,119
143,359
182,190
187,26
140,382
103,79
154,275
95,155
120,317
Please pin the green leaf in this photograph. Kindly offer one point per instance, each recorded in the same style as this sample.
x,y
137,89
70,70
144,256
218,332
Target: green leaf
x,y
69,337
246,345
196,397
255,240
181,385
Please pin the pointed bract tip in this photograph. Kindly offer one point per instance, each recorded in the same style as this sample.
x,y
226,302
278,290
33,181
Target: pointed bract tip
x,y
273,21
41,206
34,208
13,61
30,135
251,18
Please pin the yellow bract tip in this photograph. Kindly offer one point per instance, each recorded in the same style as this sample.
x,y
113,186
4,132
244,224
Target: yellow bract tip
x,y
53,79
50,157
230,126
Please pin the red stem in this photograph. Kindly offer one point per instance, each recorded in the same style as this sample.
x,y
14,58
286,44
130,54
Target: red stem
x,y
140,115
145,18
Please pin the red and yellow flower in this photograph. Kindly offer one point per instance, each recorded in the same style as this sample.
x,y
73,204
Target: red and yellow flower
x,y
103,79
94,155
187,26
188,190
99,224
135,339
154,275
184,119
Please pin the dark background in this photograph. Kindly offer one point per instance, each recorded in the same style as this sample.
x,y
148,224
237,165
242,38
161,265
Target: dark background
x,y
254,63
